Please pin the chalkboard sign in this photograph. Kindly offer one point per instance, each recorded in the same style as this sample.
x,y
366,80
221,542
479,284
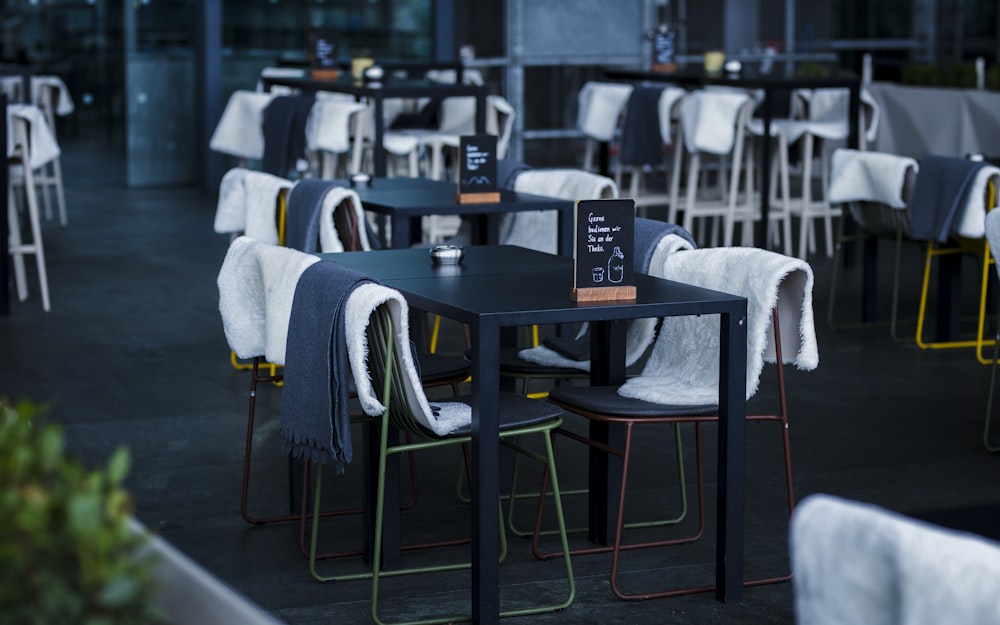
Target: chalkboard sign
x,y
477,169
664,50
603,249
323,48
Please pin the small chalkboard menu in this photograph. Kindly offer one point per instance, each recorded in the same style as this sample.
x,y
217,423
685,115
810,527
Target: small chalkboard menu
x,y
664,51
603,249
322,49
477,169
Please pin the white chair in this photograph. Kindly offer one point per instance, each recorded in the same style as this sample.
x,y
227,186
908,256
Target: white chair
x,y
825,124
30,147
714,124
859,564
51,96
600,106
330,130
668,113
402,150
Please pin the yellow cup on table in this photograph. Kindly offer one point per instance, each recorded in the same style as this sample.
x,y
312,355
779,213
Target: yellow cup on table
x,y
714,59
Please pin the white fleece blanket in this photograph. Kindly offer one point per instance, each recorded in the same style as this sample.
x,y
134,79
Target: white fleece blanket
x,y
328,126
857,176
239,131
683,367
537,230
444,417
42,145
970,222
669,97
256,288
329,240
858,563
248,202
708,120
640,332
599,107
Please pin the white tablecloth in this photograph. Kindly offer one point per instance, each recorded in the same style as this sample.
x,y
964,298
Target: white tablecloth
x,y
42,143
917,121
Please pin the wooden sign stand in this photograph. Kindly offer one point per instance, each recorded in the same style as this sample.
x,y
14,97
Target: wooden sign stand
x,y
325,74
489,197
603,294
664,68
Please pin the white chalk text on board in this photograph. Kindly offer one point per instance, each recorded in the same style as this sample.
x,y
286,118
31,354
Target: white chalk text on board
x,y
477,169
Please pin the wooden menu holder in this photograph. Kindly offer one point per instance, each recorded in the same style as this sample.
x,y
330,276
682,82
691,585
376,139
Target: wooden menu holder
x,y
603,294
664,68
325,74
488,197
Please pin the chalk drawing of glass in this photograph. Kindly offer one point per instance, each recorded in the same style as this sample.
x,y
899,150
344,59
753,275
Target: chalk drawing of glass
x,y
598,274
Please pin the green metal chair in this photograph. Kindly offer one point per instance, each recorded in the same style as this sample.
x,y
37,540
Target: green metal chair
x,y
519,416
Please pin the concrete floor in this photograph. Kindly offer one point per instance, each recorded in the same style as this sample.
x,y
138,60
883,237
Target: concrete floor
x,y
133,354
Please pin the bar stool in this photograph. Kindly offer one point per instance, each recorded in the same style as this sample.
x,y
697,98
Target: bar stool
x,y
48,94
22,176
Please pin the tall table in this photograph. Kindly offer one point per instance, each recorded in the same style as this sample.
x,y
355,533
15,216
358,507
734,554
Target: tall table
x,y
403,201
377,92
772,86
499,287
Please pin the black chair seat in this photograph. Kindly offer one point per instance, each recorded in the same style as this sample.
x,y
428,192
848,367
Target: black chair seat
x,y
517,412
606,400
436,368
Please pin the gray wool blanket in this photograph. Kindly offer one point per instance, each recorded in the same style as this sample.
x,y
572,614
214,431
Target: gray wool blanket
x,y
314,402
940,194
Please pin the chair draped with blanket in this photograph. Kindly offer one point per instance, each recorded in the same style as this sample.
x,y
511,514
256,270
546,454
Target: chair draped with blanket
x,y
876,189
714,125
568,358
376,328
679,383
256,284
860,564
950,200
252,203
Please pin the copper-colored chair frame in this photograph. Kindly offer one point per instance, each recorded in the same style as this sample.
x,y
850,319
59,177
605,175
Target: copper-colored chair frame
x,y
625,454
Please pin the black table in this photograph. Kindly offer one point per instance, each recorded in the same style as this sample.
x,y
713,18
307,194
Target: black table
x,y
773,86
500,287
403,201
377,92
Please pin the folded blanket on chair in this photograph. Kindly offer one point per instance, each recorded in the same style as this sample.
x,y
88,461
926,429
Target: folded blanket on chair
x,y
857,176
639,146
441,418
940,196
655,241
314,402
256,287
683,368
248,203
284,128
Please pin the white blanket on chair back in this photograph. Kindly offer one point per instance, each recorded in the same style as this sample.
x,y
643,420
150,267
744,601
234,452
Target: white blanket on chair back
x,y
708,120
248,202
329,240
857,176
441,418
256,287
683,366
858,563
